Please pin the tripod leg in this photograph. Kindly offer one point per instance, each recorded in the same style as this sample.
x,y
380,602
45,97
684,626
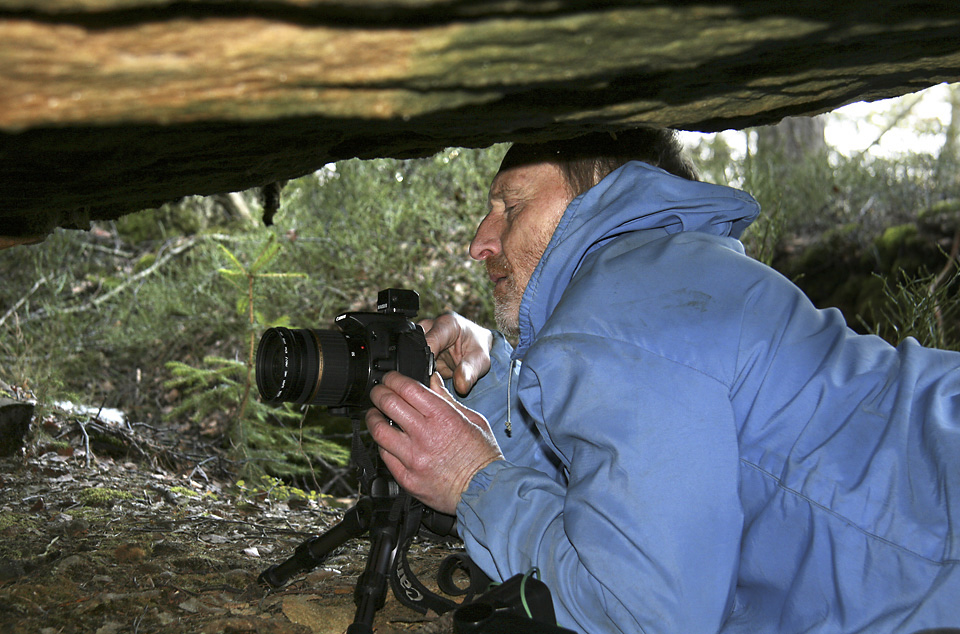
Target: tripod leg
x,y
371,591
313,552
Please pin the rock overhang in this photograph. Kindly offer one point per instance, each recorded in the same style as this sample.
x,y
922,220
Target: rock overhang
x,y
112,106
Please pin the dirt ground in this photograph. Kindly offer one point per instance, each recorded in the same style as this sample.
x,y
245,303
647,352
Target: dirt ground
x,y
124,535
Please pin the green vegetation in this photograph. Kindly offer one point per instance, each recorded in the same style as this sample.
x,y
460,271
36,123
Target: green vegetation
x,y
222,386
925,308
184,491
18,521
158,313
276,489
101,497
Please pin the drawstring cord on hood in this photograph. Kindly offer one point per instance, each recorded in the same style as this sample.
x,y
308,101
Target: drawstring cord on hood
x,y
508,427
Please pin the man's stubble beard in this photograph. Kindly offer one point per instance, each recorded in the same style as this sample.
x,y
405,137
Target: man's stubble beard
x,y
506,296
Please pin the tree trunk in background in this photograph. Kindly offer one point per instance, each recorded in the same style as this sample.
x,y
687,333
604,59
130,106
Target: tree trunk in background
x,y
949,158
785,157
793,139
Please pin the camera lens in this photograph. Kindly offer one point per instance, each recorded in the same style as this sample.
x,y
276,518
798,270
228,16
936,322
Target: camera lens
x,y
304,366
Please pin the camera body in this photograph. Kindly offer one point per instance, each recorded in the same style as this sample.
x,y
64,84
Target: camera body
x,y
338,368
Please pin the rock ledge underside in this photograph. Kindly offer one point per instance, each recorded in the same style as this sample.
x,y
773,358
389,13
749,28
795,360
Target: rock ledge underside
x,y
112,106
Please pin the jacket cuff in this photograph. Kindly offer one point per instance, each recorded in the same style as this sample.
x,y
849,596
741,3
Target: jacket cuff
x,y
481,482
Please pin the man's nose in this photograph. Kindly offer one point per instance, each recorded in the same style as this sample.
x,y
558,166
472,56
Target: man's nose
x,y
486,243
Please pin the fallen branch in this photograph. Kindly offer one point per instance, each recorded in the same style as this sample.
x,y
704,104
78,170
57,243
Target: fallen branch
x,y
97,301
198,468
161,260
86,442
23,299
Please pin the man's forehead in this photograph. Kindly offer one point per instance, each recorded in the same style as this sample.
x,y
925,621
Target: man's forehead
x,y
504,187
517,180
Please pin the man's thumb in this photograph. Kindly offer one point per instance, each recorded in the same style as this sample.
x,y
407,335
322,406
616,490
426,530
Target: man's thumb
x,y
465,377
436,384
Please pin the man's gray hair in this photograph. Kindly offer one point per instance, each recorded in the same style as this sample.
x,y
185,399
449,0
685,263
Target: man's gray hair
x,y
587,159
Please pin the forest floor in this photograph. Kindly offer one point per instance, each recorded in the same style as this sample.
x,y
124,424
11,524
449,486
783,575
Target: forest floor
x,y
109,529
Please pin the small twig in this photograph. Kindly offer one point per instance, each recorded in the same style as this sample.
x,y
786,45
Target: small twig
x,y
86,442
251,317
306,455
94,303
898,117
199,467
100,409
23,299
116,432
138,620
115,252
47,551
160,261
337,475
147,425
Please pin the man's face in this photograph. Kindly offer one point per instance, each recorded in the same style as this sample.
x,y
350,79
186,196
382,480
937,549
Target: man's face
x,y
525,204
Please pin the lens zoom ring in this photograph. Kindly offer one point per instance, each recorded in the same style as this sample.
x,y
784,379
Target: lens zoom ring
x,y
334,362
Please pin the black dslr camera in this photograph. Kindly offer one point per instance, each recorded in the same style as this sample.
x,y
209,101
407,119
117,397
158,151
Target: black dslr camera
x,y
339,368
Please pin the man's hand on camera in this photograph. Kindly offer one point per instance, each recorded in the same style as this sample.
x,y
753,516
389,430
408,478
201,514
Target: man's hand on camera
x,y
462,349
439,445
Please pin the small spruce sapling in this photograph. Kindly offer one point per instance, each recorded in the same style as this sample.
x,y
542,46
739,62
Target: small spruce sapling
x,y
226,385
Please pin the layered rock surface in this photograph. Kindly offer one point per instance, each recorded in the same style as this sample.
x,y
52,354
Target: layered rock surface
x,y
111,106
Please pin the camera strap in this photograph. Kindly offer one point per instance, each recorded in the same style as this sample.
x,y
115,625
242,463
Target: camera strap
x,y
408,588
407,514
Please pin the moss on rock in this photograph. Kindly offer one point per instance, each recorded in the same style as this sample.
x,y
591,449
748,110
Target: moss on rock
x,y
102,497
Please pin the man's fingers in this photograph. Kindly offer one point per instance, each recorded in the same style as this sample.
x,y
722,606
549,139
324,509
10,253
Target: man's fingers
x,y
407,402
407,396
424,412
392,462
441,445
461,348
471,368
387,436
442,333
436,384
444,368
465,376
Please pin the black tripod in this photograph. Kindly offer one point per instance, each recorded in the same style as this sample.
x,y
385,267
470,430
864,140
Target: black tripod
x,y
392,518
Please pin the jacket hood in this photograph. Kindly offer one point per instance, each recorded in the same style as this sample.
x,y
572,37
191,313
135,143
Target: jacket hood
x,y
635,197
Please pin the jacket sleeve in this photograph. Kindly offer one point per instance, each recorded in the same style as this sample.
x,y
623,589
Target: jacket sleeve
x,y
645,535
495,396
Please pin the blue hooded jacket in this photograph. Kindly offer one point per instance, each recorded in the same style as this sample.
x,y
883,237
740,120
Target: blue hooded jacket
x,y
696,448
